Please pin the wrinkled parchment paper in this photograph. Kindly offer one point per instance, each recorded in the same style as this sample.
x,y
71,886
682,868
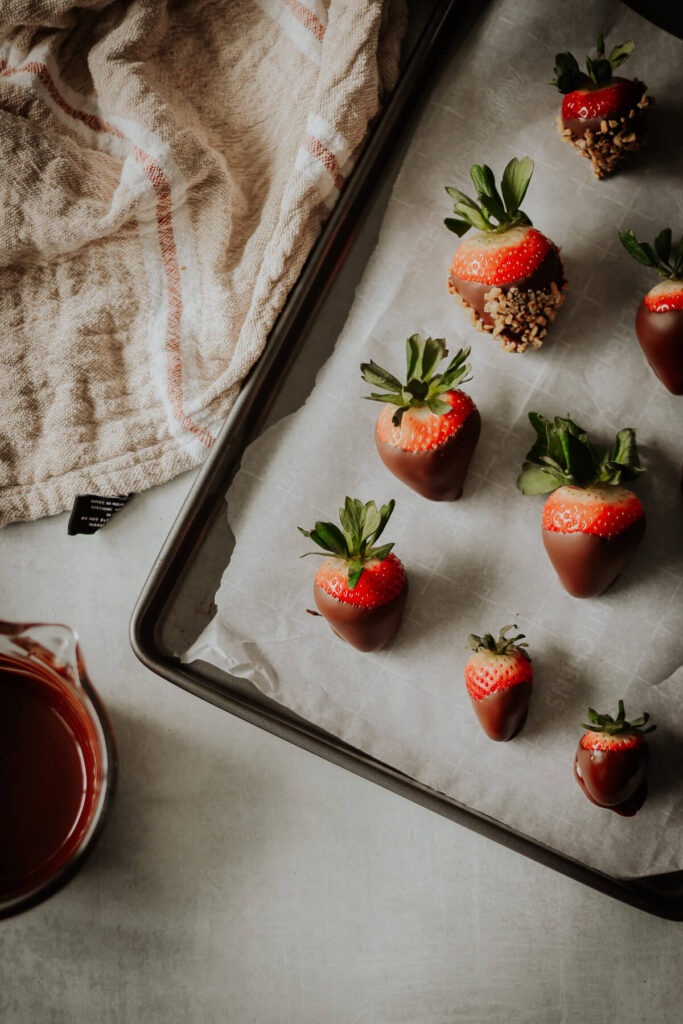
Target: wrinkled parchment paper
x,y
478,564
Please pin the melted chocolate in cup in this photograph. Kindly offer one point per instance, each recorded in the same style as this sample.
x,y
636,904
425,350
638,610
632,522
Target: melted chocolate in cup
x,y
502,714
366,629
437,474
49,776
661,339
543,276
587,564
614,779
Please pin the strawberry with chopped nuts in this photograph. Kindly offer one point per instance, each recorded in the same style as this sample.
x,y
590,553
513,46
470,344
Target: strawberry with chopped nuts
x,y
428,429
592,525
362,589
508,277
603,116
499,678
659,320
611,761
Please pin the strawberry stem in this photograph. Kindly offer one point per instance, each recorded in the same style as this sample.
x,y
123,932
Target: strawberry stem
x,y
657,256
569,77
503,645
562,455
361,527
619,725
491,206
423,385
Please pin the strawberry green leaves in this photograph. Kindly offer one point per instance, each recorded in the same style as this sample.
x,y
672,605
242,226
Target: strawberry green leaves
x,y
562,454
662,257
361,525
424,384
381,378
569,77
423,355
621,53
615,726
600,71
516,178
327,536
621,463
503,645
491,206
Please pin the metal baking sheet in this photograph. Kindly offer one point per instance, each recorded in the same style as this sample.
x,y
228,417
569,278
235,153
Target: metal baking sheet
x,y
177,600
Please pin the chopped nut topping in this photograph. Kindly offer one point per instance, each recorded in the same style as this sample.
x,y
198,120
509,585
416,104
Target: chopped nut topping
x,y
520,318
608,147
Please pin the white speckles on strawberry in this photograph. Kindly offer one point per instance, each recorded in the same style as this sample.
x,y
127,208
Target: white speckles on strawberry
x,y
611,100
665,296
604,511
486,672
607,741
380,582
421,430
498,259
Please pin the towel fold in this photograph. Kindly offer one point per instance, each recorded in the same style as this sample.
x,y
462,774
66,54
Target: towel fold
x,y
166,169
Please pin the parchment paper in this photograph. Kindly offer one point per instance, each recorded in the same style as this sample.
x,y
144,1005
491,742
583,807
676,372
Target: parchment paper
x,y
478,564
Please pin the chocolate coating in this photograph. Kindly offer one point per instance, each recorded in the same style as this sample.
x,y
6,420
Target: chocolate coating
x,y
661,339
475,293
437,474
613,778
502,713
579,126
366,629
587,564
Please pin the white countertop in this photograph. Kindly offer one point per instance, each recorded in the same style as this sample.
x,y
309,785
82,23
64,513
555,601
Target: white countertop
x,y
241,879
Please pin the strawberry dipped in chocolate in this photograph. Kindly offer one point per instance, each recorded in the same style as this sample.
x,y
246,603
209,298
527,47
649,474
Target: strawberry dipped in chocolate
x,y
611,761
428,429
499,676
603,116
361,590
659,320
592,525
508,277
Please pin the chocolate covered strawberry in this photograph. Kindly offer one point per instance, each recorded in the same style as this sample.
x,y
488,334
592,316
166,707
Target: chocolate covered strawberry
x,y
659,320
361,590
499,677
603,116
428,429
611,761
508,277
591,524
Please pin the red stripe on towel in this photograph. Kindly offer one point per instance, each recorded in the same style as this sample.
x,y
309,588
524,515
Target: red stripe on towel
x,y
169,254
307,18
326,158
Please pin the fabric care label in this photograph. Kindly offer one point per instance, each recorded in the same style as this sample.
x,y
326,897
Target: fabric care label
x,y
90,512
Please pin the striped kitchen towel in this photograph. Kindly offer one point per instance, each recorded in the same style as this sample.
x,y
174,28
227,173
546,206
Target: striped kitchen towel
x,y
166,168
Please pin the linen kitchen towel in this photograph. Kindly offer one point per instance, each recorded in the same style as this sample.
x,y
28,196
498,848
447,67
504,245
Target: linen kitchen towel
x,y
166,168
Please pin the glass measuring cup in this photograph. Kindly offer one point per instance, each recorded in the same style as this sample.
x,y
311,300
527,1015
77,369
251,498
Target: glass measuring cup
x,y
57,762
